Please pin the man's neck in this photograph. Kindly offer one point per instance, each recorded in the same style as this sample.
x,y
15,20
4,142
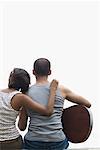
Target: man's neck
x,y
42,80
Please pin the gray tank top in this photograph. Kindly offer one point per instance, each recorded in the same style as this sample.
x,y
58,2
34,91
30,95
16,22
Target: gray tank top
x,y
44,128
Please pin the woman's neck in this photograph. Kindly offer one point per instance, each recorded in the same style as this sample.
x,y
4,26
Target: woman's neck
x,y
7,90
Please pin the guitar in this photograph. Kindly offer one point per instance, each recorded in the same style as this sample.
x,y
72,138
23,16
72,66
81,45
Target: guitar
x,y
77,123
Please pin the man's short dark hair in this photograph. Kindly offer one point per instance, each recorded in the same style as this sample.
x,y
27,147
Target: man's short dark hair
x,y
42,66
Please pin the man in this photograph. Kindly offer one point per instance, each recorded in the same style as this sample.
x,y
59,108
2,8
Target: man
x,y
45,133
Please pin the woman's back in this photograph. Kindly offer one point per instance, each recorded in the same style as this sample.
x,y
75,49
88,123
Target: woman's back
x,y
8,116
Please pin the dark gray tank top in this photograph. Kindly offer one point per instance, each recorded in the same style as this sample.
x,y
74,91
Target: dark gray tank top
x,y
43,128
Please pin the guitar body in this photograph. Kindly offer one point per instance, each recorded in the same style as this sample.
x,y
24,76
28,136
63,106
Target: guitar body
x,y
77,123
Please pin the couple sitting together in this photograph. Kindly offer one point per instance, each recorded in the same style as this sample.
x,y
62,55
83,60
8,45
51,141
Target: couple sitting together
x,y
42,102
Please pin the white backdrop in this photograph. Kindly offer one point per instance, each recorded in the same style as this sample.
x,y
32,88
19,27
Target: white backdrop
x,y
65,32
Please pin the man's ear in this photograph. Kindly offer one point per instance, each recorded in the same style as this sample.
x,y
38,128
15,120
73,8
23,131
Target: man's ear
x,y
49,72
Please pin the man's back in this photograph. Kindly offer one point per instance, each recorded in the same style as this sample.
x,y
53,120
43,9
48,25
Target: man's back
x,y
46,133
42,128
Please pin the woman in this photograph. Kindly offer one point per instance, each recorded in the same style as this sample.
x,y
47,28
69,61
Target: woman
x,y
12,101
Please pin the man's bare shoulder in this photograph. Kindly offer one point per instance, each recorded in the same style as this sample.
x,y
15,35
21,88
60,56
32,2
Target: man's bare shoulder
x,y
64,90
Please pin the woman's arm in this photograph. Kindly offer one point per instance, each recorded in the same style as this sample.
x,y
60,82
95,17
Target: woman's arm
x,y
22,100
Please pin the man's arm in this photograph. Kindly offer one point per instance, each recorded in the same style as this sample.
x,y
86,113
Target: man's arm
x,y
23,118
75,98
